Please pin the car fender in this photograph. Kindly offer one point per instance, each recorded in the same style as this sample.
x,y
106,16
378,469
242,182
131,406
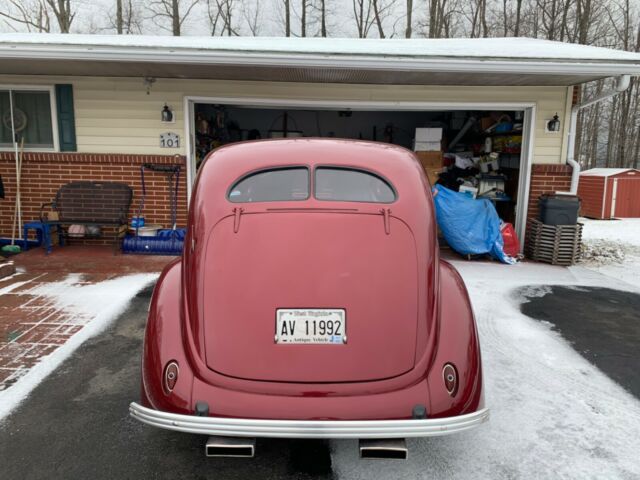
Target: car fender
x,y
163,343
458,344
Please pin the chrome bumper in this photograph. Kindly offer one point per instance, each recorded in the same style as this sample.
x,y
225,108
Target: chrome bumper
x,y
241,427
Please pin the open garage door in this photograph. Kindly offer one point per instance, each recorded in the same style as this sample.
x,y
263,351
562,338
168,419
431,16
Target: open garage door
x,y
483,149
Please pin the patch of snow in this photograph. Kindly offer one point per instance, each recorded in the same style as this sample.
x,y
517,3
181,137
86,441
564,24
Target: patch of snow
x,y
612,248
553,414
514,48
13,286
97,305
602,252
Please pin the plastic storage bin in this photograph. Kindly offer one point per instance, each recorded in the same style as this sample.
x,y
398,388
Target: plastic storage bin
x,y
559,209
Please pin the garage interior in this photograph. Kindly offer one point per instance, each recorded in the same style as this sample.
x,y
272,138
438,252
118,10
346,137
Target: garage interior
x,y
476,152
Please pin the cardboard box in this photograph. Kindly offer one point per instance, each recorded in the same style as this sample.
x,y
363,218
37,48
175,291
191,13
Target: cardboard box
x,y
432,175
486,122
428,135
430,160
427,140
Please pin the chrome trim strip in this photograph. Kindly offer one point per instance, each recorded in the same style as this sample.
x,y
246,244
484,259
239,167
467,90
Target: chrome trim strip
x,y
241,427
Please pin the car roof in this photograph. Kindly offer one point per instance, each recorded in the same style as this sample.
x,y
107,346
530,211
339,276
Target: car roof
x,y
236,160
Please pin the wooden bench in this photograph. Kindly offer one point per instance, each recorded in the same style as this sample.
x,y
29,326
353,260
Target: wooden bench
x,y
103,204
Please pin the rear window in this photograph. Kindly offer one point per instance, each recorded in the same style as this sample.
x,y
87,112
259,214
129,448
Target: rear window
x,y
350,185
275,185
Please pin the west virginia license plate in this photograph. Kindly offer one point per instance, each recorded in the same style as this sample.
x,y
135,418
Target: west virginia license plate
x,y
318,325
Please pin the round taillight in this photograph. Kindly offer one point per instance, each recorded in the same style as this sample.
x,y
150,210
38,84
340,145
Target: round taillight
x,y
450,377
170,376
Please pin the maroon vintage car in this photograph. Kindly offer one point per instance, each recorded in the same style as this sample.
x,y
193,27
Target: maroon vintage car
x,y
311,302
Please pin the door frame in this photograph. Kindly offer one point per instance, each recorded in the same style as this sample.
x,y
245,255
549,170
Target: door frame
x,y
528,129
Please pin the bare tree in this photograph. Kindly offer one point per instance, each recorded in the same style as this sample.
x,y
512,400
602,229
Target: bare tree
x,y
128,19
251,15
287,17
221,14
33,15
323,18
174,12
64,13
363,17
408,30
119,21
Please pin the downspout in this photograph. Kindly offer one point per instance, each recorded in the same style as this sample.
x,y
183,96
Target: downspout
x,y
623,83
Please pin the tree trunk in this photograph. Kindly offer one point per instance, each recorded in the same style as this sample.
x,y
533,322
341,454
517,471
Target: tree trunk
x,y
287,18
408,30
175,18
303,19
119,21
516,29
323,18
376,13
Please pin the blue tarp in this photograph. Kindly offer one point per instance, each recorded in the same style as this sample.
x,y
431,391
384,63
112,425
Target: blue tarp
x,y
470,226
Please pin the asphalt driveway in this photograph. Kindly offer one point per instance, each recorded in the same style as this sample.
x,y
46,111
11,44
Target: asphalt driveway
x,y
76,425
602,324
553,415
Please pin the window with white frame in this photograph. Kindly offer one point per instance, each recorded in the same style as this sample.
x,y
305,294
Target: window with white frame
x,y
27,116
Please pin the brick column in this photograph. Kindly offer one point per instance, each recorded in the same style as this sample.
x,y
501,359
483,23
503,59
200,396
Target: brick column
x,y
547,179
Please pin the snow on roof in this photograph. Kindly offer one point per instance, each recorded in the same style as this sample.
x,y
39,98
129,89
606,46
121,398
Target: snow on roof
x,y
495,48
606,172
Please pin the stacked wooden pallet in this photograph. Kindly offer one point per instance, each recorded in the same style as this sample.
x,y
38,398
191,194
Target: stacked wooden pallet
x,y
555,244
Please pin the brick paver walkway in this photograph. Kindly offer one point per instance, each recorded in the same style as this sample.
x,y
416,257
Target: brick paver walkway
x,y
32,323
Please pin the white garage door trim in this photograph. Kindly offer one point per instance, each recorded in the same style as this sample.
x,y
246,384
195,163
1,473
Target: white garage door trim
x,y
528,130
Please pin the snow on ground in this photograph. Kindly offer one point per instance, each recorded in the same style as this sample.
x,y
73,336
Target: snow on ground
x,y
95,306
553,414
612,248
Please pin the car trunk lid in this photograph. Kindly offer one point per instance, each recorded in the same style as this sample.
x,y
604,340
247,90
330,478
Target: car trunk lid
x,y
259,263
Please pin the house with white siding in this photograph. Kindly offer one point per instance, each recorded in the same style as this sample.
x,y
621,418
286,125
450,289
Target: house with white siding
x,y
94,107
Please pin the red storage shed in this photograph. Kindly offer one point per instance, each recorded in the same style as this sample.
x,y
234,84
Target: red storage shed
x,y
610,192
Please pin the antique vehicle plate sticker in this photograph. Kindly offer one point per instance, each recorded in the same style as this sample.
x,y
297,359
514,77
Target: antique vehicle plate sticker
x,y
318,325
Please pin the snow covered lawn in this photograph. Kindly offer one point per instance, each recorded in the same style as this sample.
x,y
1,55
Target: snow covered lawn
x,y
553,414
613,248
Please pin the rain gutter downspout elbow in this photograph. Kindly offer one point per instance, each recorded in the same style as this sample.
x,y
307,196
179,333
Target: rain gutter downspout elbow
x,y
623,83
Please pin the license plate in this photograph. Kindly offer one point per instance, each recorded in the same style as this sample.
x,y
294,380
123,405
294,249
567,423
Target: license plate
x,y
318,325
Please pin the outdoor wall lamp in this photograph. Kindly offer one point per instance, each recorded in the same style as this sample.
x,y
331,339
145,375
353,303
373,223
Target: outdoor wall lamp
x,y
553,125
166,114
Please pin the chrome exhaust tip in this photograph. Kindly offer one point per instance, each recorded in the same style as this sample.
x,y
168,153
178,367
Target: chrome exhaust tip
x,y
230,447
393,448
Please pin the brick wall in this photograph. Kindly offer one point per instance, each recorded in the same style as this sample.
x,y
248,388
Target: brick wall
x,y
44,173
546,179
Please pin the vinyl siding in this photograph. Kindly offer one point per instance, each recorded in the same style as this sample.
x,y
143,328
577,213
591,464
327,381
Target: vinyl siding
x,y
115,115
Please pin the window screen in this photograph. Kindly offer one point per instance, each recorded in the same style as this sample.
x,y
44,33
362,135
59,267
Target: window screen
x,y
279,185
349,185
31,118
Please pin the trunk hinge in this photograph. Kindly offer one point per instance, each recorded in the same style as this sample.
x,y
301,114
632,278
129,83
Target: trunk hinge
x,y
236,218
386,213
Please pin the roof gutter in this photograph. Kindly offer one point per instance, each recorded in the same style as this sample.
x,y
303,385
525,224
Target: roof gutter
x,y
623,83
381,62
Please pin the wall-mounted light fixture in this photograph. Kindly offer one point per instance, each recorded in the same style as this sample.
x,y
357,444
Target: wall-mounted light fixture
x,y
166,115
553,125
